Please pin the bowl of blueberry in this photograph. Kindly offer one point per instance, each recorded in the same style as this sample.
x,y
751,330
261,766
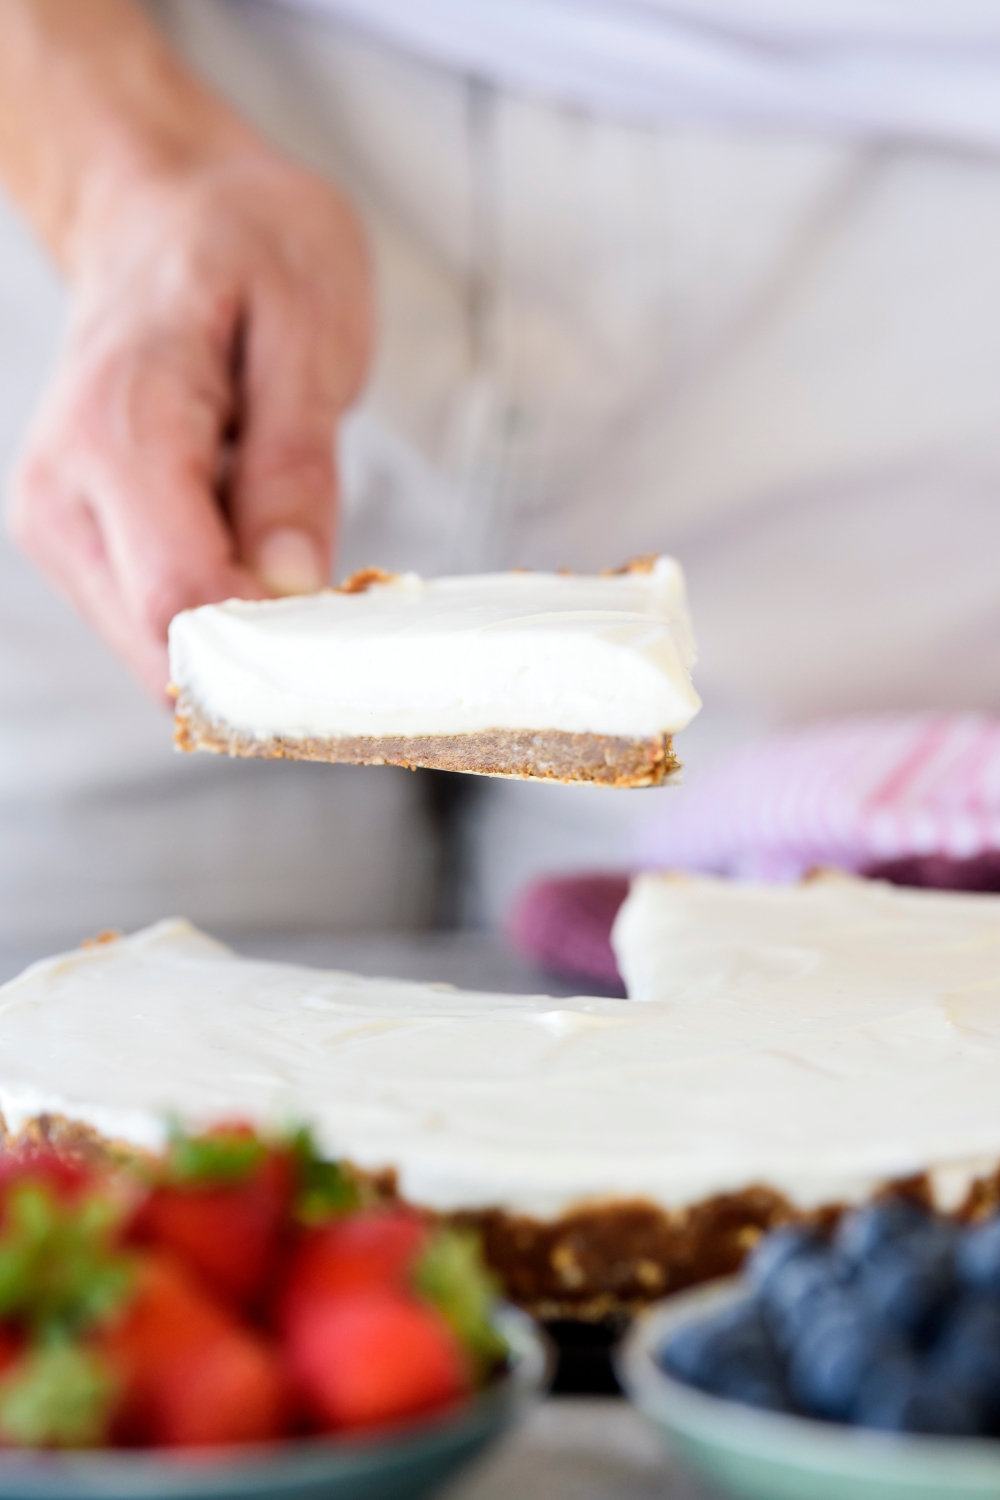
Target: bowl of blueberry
x,y
861,1361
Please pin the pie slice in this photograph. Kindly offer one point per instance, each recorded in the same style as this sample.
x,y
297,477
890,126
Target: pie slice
x,y
555,676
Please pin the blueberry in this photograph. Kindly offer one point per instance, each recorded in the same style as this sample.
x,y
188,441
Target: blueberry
x,y
692,1353
796,1292
949,1409
886,1392
689,1354
899,1395
978,1257
763,1387
729,1354
967,1352
776,1248
832,1358
865,1230
909,1281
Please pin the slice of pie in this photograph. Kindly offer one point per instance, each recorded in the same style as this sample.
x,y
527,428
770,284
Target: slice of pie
x,y
551,675
795,1050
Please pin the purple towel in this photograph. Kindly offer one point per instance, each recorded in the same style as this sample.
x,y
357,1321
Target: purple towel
x,y
564,926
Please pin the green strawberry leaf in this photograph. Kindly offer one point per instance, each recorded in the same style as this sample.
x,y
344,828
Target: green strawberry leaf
x,y
452,1275
60,1268
58,1397
217,1158
324,1188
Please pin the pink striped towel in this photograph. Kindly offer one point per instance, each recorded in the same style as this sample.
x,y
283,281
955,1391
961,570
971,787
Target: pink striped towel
x,y
849,794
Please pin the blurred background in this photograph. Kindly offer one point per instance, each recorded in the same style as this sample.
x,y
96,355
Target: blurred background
x,y
708,279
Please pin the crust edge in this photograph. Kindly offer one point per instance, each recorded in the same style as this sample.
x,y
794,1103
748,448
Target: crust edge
x,y
544,755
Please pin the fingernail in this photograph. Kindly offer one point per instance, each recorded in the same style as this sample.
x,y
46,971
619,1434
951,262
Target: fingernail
x,y
288,562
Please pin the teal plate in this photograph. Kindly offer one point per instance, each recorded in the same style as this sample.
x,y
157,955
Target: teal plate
x,y
761,1455
407,1460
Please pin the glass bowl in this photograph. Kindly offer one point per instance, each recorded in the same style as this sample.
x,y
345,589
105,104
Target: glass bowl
x,y
409,1459
763,1455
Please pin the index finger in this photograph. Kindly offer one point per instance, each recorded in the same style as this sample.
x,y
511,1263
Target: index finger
x,y
149,466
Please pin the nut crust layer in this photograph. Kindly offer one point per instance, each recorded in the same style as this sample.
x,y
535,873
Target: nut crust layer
x,y
547,755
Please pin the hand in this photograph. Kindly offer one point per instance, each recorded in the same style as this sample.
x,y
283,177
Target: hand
x,y
185,452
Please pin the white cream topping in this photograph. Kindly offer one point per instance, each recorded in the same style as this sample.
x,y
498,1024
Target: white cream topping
x,y
819,1040
605,655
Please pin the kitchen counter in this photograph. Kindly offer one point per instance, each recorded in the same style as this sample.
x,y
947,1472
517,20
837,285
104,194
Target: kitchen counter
x,y
578,1448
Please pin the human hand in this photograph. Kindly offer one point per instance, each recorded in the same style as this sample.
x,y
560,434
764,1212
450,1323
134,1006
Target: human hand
x,y
184,454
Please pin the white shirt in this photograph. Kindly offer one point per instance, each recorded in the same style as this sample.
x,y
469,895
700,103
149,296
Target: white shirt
x,y
913,68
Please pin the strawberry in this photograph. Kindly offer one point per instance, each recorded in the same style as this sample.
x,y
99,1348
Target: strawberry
x,y
230,1390
169,1313
355,1253
224,1211
65,1179
372,1356
11,1344
190,1372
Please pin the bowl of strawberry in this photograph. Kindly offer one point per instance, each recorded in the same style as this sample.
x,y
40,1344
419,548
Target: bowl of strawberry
x,y
855,1363
238,1317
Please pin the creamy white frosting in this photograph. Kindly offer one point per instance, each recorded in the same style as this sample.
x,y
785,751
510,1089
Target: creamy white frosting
x,y
821,1040
605,655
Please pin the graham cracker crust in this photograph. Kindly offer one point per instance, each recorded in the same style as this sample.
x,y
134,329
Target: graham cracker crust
x,y
606,1262
609,1260
595,1263
547,755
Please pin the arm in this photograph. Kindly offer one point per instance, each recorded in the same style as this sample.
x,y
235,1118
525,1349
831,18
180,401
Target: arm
x,y
219,326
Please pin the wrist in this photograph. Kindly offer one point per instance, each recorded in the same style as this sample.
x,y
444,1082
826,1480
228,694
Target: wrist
x,y
138,163
143,147
93,105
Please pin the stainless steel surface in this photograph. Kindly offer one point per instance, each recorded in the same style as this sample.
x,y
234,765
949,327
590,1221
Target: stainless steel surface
x,y
471,960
